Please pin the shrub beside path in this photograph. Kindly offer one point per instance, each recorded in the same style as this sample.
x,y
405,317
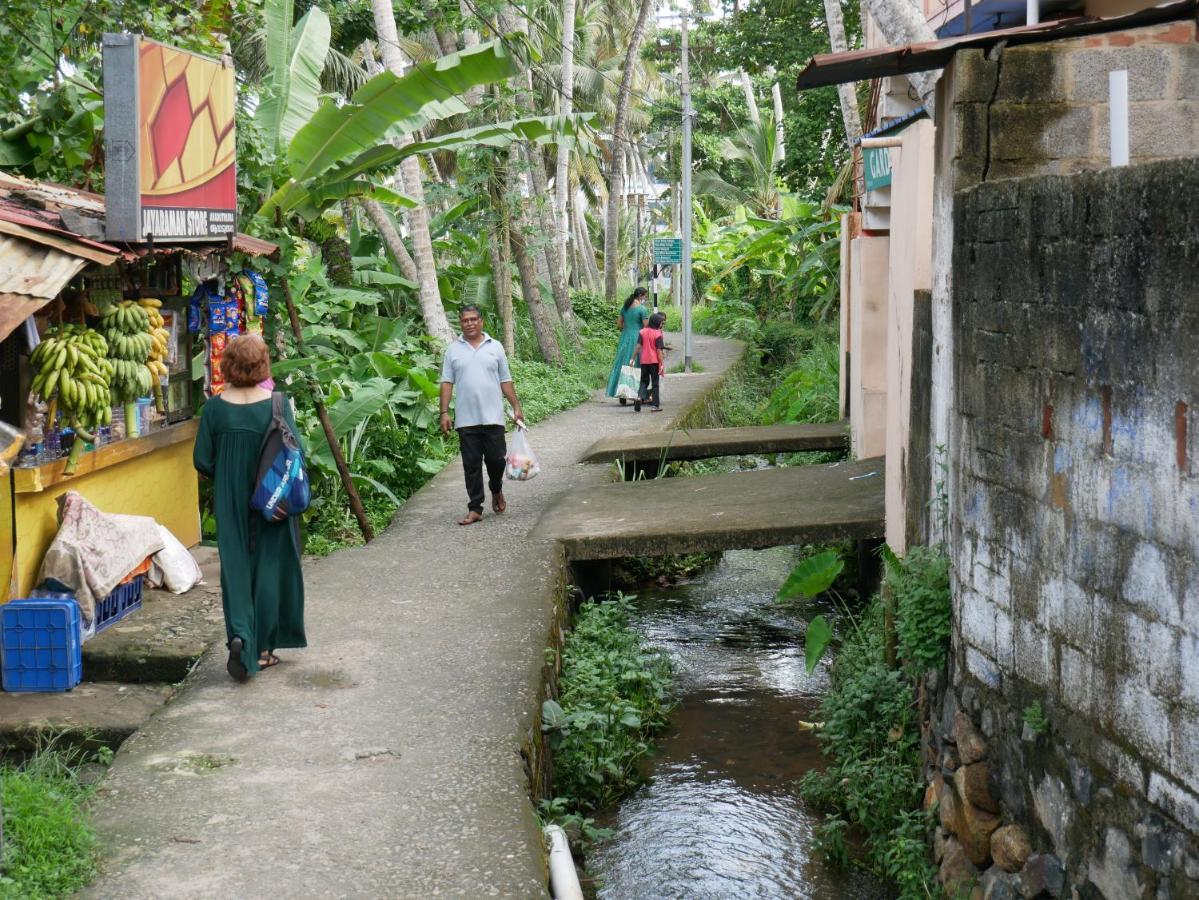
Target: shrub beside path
x,y
384,760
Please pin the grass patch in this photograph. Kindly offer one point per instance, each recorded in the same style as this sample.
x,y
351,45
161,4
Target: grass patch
x,y
545,390
49,843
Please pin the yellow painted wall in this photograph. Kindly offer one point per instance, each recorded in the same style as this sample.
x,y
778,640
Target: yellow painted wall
x,y
161,484
7,544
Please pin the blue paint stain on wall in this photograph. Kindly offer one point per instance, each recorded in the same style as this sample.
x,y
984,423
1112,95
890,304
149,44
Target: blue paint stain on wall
x,y
1119,489
1061,459
1089,416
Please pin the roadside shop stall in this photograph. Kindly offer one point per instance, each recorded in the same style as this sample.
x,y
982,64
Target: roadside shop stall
x,y
115,310
106,412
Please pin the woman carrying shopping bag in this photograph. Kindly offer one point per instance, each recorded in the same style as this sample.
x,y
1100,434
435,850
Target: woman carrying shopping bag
x,y
261,583
632,319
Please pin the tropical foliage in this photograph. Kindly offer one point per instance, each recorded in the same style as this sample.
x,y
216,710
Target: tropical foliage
x,y
614,693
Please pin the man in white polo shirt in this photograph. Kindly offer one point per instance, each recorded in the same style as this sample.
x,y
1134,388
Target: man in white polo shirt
x,y
476,364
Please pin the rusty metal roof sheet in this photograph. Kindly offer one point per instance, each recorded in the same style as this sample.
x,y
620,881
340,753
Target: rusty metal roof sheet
x,y
80,214
49,232
880,62
34,269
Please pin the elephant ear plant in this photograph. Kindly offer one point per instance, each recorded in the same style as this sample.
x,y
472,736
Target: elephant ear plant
x,y
809,579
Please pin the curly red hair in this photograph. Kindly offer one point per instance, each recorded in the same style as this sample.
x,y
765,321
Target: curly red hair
x,y
246,361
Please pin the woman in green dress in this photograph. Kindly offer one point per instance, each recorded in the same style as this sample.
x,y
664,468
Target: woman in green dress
x,y
632,320
261,581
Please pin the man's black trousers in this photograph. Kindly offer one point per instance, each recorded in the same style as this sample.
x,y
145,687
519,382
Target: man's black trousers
x,y
479,444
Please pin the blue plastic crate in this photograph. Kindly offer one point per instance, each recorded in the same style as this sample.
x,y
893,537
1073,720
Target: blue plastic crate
x,y
40,648
120,603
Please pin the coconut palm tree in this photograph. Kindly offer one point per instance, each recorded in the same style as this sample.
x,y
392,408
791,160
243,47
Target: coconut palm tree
x,y
619,137
394,60
756,148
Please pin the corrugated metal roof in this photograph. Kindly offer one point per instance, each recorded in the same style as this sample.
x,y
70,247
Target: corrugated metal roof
x,y
80,214
918,113
35,270
48,233
881,62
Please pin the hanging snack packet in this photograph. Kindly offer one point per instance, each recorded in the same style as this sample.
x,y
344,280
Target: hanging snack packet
x,y
261,292
521,463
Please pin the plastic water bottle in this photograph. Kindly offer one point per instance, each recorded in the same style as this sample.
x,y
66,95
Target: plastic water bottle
x,y
32,454
53,448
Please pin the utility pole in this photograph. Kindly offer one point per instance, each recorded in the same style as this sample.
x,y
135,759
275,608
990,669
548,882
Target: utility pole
x,y
685,211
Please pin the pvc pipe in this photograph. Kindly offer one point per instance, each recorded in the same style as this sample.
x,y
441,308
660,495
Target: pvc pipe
x,y
1117,86
564,880
1032,12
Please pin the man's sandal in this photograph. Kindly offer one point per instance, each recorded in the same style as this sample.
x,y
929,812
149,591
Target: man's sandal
x,y
268,660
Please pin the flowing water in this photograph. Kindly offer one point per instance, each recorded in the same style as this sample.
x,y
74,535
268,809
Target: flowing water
x,y
717,816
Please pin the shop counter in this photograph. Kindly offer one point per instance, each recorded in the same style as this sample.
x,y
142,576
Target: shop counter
x,y
146,476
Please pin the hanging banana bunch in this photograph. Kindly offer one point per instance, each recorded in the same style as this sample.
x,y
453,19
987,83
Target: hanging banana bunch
x,y
73,375
126,326
159,352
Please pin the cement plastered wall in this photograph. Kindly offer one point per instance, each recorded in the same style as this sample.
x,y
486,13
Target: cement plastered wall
x,y
1075,513
1041,109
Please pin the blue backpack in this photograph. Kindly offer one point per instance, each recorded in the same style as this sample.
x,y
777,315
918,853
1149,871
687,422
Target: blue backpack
x,y
281,480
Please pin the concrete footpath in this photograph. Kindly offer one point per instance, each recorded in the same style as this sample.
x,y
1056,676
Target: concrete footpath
x,y
384,760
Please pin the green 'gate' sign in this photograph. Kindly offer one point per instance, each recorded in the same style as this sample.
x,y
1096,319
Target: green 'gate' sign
x,y
877,163
668,251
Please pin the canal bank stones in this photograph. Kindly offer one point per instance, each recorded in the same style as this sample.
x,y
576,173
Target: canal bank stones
x,y
977,852
1010,848
957,872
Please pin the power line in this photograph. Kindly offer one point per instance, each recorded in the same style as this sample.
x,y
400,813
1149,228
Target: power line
x,y
644,98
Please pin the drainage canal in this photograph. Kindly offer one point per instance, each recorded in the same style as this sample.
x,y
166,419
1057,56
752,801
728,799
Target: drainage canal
x,y
717,815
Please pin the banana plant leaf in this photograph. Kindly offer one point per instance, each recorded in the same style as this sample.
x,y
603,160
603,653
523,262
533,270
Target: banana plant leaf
x,y
345,414
427,92
343,180
312,203
295,58
386,279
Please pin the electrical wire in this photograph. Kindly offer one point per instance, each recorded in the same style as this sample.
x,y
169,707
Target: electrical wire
x,y
557,43
560,46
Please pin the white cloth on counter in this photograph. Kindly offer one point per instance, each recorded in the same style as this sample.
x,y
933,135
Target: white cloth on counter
x,y
94,551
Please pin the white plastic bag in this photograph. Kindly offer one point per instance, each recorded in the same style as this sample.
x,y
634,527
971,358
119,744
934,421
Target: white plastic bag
x,y
521,462
629,385
173,567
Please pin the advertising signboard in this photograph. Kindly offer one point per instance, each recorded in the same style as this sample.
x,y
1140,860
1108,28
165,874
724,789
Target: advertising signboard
x,y
170,147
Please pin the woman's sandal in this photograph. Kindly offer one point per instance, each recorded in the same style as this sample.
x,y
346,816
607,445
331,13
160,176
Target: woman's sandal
x,y
235,667
268,661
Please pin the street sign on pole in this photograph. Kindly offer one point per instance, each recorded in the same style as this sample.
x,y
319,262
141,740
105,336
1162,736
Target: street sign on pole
x,y
668,251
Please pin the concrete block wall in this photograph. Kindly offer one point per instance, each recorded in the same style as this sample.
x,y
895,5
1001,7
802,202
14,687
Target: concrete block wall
x,y
1075,512
1042,109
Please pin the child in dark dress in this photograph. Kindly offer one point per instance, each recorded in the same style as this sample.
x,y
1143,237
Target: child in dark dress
x,y
652,346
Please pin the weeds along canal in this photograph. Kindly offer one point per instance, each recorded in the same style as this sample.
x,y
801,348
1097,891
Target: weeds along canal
x,y
718,815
